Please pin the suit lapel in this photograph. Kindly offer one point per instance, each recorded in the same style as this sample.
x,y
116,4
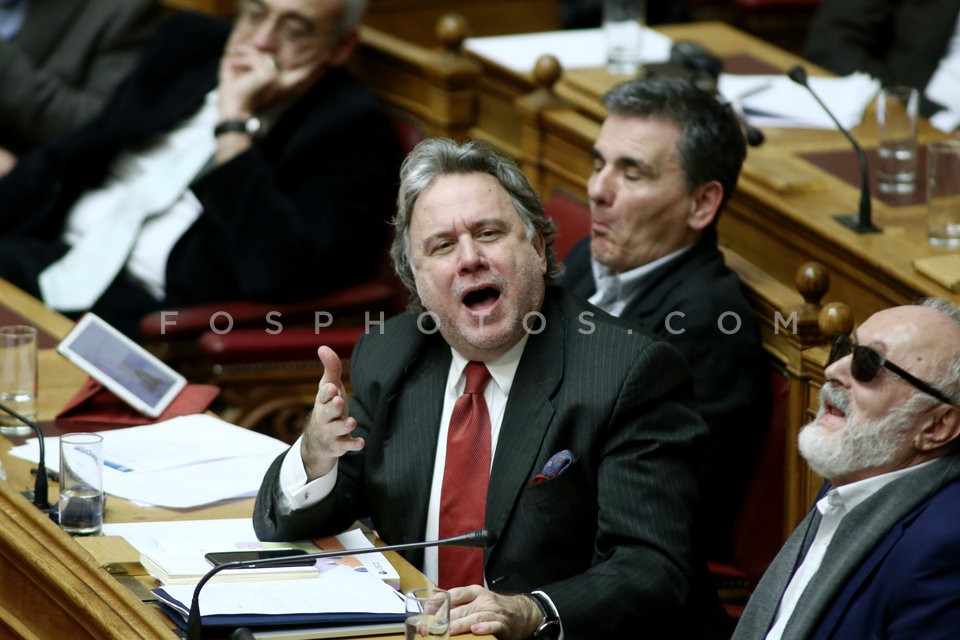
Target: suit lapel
x,y
763,604
528,414
415,410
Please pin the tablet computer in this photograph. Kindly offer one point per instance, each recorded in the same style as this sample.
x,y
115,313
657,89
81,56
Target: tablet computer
x,y
121,365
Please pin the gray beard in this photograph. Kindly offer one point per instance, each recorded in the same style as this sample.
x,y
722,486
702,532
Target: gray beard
x,y
862,444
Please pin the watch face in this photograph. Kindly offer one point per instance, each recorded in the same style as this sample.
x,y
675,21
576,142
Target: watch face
x,y
252,125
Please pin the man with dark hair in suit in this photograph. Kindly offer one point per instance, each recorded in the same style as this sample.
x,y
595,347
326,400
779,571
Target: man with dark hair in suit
x,y
879,555
512,405
665,163
231,163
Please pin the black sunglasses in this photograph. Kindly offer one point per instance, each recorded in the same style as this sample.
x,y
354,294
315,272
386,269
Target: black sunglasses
x,y
867,363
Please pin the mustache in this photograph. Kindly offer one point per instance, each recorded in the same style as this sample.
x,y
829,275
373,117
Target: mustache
x,y
460,288
835,395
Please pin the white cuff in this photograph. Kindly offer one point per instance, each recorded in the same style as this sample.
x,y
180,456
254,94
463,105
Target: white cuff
x,y
295,492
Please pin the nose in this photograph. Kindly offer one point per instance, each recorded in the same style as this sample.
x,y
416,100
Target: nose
x,y
839,371
599,188
265,36
471,256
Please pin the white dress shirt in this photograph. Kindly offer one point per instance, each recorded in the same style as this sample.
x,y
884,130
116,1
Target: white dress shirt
x,y
944,86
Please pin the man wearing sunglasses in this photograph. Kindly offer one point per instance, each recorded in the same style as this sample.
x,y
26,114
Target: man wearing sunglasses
x,y
879,555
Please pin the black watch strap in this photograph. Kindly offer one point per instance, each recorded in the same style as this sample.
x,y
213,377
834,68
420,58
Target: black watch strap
x,y
250,126
549,629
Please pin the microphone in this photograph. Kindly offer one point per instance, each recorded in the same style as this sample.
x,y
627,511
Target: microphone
x,y
861,223
483,538
40,495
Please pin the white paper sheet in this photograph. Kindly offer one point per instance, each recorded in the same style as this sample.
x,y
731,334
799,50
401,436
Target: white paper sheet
x,y
574,48
337,590
180,463
777,101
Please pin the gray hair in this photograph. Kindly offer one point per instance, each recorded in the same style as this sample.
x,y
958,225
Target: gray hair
x,y
436,157
712,145
949,373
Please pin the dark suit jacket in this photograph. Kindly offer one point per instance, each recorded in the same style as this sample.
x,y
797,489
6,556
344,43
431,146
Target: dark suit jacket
x,y
730,374
900,42
891,571
65,62
302,211
609,540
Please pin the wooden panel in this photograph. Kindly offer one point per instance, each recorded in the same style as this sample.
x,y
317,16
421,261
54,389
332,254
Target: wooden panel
x,y
414,20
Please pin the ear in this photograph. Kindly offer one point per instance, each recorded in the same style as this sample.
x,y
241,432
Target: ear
x,y
706,203
343,50
942,430
540,245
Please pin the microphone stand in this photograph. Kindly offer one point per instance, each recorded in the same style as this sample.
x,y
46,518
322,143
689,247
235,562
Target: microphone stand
x,y
40,495
860,222
479,538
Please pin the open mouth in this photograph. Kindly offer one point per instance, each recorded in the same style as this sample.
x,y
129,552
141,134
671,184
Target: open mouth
x,y
833,410
482,299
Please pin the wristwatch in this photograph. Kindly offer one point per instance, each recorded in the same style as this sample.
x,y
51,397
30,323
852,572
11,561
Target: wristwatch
x,y
250,126
549,629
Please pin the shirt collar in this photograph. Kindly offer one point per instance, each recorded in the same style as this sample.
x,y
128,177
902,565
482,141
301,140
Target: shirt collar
x,y
630,281
855,493
502,369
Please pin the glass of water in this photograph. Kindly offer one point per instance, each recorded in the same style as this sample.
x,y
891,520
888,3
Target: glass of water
x,y
18,377
428,614
81,483
897,113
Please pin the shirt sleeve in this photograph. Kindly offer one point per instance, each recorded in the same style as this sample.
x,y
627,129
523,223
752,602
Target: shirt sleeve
x,y
295,492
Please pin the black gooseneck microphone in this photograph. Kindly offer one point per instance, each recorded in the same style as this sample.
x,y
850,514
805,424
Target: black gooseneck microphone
x,y
483,538
861,223
40,495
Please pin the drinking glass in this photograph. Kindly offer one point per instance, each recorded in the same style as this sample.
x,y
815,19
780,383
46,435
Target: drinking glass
x,y
428,614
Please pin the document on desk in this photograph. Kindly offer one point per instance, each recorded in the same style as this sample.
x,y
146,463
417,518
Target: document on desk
x,y
339,596
574,48
179,463
173,552
776,101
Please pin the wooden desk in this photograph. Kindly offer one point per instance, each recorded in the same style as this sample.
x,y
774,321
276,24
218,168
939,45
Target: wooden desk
x,y
50,585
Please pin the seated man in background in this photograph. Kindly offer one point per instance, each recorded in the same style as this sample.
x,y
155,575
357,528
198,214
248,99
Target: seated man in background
x,y
588,422
223,168
899,42
666,162
879,556
60,60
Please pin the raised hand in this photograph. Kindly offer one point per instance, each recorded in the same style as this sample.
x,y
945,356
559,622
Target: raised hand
x,y
327,435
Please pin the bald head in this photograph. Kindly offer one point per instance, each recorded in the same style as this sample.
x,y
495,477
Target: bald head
x,y
920,338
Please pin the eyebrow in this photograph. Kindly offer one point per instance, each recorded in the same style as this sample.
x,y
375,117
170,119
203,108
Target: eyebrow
x,y
626,162
498,223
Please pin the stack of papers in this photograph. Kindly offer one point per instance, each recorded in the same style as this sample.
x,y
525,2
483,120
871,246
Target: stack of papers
x,y
179,463
336,597
173,552
777,101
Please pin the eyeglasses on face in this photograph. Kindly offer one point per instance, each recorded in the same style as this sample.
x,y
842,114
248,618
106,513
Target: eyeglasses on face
x,y
866,364
294,29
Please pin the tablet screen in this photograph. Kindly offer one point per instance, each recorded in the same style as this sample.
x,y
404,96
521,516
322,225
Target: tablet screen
x,y
121,365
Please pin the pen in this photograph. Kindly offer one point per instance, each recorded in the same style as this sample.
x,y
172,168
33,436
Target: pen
x,y
53,475
760,88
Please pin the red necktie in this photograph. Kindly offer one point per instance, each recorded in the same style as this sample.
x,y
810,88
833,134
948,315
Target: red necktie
x,y
463,498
